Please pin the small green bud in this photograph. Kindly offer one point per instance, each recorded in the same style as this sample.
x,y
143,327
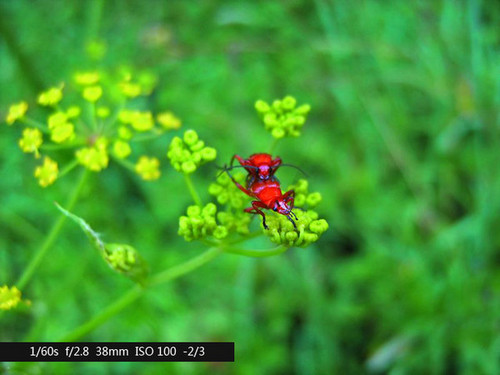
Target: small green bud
x,y
278,133
261,106
190,137
188,166
319,226
197,146
313,199
196,157
188,154
193,211
283,118
220,232
209,210
289,103
200,222
281,230
208,153
303,109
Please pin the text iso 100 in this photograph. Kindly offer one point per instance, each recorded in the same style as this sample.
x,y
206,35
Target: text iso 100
x,y
159,351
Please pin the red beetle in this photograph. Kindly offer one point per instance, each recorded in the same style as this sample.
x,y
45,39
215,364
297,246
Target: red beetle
x,y
259,166
269,196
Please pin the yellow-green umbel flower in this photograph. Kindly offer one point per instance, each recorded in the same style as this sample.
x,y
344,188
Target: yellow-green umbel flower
x,y
309,228
125,259
148,168
92,93
187,154
87,78
142,121
124,133
282,118
200,223
94,158
102,112
47,172
121,149
130,90
16,112
73,111
9,297
31,141
51,97
62,133
168,120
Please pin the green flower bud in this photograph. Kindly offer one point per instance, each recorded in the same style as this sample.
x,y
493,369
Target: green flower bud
x,y
208,153
190,137
188,154
283,118
220,232
288,103
188,166
313,199
261,106
193,211
209,210
200,223
309,229
125,259
197,146
278,133
318,226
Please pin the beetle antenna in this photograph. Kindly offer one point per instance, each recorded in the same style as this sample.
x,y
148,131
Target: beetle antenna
x,y
226,168
294,166
293,222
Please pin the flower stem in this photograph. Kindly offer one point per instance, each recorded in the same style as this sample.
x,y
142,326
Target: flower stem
x,y
257,253
273,145
134,293
186,267
192,190
68,168
52,235
110,311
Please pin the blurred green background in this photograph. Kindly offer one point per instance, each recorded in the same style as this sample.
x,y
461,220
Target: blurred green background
x,y
402,141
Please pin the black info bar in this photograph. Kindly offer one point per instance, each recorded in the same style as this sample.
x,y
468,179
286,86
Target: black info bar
x,y
116,351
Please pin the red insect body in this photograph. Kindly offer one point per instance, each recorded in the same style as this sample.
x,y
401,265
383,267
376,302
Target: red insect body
x,y
269,196
259,166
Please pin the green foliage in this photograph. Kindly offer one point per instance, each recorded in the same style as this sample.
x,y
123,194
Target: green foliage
x,y
402,143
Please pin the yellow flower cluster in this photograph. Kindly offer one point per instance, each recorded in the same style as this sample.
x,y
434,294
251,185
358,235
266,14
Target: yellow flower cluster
x,y
9,297
47,173
98,128
94,158
16,112
51,97
31,141
148,168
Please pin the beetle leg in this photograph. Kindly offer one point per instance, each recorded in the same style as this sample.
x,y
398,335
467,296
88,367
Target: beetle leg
x,y
255,209
239,186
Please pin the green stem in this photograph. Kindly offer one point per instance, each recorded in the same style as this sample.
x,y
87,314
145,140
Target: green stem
x,y
36,124
51,236
192,190
68,168
257,253
186,267
109,312
146,137
273,145
134,293
125,163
